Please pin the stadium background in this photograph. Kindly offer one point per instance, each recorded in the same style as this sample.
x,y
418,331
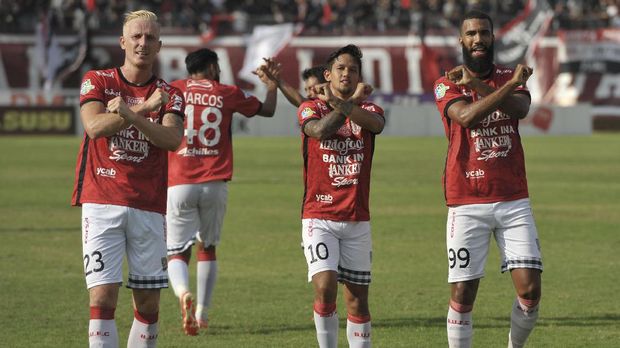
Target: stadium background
x,y
573,45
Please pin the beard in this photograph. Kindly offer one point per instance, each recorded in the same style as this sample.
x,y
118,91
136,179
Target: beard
x,y
479,65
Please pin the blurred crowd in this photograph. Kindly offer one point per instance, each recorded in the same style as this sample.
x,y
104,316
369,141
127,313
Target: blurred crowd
x,y
336,17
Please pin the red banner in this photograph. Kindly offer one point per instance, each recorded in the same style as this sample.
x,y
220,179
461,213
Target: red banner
x,y
576,67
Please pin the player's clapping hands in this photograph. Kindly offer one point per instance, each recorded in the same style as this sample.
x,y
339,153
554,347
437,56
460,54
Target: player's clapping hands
x,y
269,73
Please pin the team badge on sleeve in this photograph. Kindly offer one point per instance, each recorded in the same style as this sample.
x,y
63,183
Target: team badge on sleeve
x,y
307,112
440,91
86,87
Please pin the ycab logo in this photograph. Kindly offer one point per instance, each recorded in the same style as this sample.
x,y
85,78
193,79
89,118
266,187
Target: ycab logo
x,y
325,198
107,172
474,174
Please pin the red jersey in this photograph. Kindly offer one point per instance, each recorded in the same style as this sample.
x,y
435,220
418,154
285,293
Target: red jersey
x,y
485,163
337,170
125,168
206,151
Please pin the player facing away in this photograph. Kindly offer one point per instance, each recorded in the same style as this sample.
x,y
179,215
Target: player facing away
x,y
197,178
338,138
131,119
485,183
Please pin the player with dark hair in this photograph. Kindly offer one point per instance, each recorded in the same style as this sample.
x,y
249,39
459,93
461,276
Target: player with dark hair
x,y
131,119
338,136
312,77
485,182
198,175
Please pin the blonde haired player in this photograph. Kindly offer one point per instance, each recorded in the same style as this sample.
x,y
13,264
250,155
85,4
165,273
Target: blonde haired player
x,y
131,120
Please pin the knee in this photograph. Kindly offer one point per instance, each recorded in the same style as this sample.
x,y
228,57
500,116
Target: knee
x,y
464,293
357,307
531,292
146,301
104,296
325,293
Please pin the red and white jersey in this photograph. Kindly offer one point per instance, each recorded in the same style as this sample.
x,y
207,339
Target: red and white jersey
x,y
206,152
125,168
336,170
485,163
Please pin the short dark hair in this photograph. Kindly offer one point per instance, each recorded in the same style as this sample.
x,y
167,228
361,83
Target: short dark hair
x,y
315,71
476,14
198,61
353,50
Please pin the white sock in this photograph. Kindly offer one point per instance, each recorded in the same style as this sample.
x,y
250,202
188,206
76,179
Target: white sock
x,y
522,321
326,324
358,332
460,328
206,276
102,334
102,331
178,276
144,331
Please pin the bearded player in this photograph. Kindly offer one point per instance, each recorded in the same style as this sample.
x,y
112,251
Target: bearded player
x,y
198,177
338,138
485,183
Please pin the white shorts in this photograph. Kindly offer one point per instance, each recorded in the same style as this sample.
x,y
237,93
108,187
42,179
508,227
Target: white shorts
x,y
109,232
343,247
469,231
195,211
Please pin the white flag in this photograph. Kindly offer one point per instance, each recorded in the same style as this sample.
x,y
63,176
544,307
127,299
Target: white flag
x,y
266,41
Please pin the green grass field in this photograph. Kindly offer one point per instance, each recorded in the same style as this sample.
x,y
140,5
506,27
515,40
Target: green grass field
x,y
262,298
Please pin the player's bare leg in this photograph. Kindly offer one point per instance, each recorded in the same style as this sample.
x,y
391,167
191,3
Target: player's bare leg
x,y
102,330
358,315
524,314
206,276
145,328
460,324
325,314
178,274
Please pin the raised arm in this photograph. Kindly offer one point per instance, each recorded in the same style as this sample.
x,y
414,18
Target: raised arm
x,y
269,104
469,114
271,72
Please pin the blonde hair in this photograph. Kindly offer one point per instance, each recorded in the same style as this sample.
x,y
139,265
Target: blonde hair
x,y
140,14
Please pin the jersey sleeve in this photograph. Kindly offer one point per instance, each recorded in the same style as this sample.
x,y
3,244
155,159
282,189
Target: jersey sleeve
x,y
307,111
176,102
92,88
373,108
447,93
245,104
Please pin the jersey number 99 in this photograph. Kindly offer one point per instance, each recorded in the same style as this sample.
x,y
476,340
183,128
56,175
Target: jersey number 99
x,y
461,257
